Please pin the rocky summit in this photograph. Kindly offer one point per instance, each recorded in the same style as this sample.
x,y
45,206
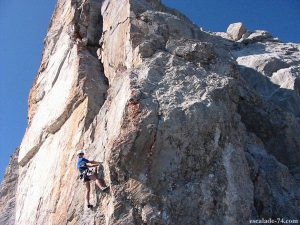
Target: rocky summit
x,y
191,127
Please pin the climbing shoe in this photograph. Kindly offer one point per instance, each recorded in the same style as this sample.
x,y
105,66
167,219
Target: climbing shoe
x,y
90,206
105,189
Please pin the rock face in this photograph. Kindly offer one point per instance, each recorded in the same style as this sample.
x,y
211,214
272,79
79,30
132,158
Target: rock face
x,y
191,127
8,189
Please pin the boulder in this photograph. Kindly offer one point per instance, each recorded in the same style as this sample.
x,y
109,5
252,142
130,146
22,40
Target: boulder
x,y
236,30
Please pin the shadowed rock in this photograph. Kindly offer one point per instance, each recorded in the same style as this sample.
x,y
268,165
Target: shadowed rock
x,y
8,189
192,127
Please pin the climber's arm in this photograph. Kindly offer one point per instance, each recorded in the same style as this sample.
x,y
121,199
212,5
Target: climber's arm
x,y
93,163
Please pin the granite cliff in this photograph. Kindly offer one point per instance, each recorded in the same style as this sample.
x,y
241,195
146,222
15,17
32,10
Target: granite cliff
x,y
192,127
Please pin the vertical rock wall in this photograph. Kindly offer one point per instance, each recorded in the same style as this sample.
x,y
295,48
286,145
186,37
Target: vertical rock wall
x,y
183,137
8,190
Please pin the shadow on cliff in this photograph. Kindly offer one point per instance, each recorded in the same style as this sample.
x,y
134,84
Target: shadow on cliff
x,y
272,116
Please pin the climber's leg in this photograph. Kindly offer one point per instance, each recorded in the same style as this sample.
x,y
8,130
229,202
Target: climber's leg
x,y
88,189
99,182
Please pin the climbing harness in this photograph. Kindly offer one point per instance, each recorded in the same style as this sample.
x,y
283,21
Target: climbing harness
x,y
85,172
84,175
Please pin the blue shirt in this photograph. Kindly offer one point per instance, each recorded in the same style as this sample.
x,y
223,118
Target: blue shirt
x,y
81,163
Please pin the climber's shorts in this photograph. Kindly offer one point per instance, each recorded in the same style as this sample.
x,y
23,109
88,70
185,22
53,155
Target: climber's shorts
x,y
85,176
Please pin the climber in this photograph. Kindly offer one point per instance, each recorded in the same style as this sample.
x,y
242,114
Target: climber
x,y
87,175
